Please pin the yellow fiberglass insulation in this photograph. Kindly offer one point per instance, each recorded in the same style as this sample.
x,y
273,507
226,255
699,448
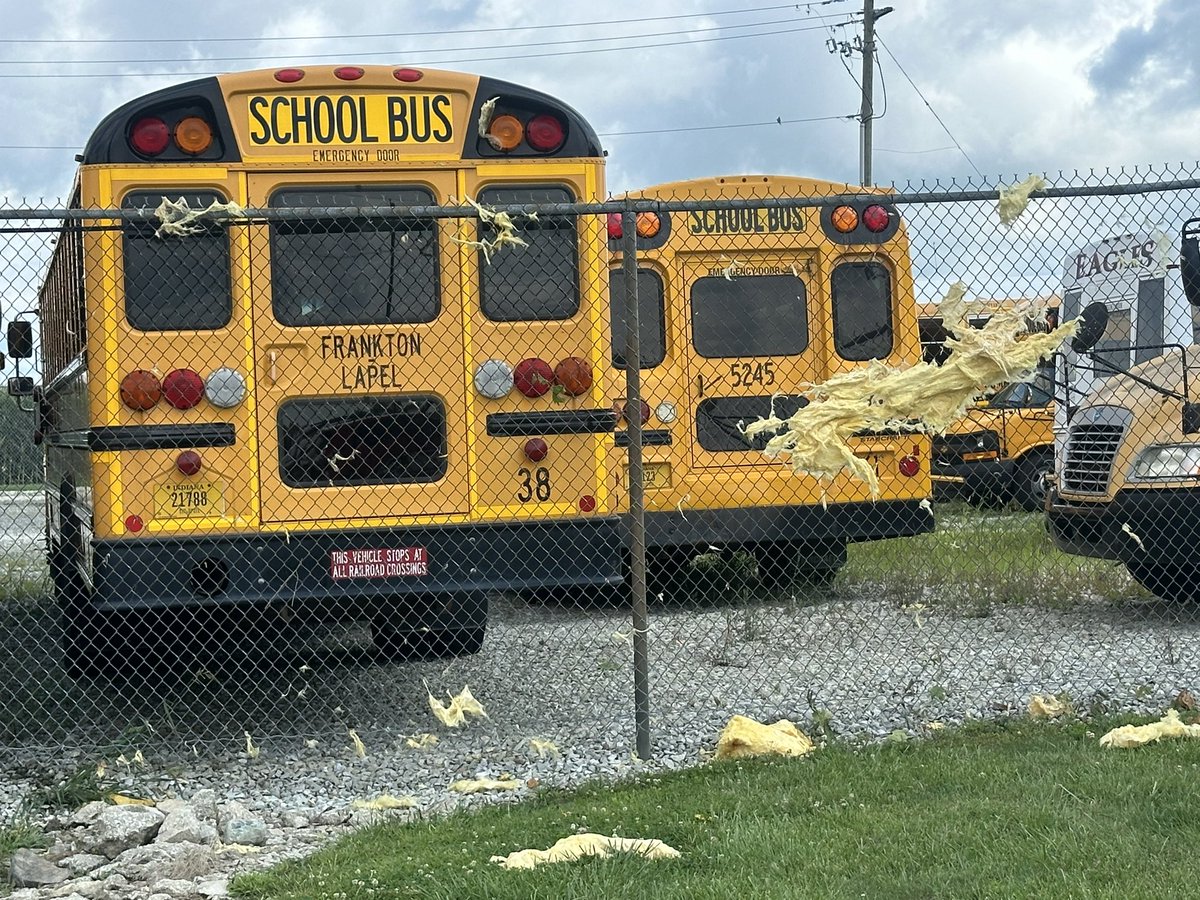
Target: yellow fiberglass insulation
x,y
477,785
1169,726
1043,706
743,737
923,397
1014,198
460,706
578,846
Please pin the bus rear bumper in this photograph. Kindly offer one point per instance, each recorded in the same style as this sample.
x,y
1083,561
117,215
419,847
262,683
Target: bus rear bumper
x,y
770,524
353,567
1139,525
981,476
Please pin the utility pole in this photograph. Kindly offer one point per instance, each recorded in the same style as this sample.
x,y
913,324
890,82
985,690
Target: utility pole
x,y
867,112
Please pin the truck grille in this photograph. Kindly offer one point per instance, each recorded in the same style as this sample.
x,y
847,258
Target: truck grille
x,y
1091,449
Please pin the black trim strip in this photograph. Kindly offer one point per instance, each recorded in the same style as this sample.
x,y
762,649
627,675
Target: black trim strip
x,y
655,437
558,421
160,437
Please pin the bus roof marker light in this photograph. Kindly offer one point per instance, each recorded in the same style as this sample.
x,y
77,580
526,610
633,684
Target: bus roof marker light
x,y
844,219
225,388
183,388
494,379
409,75
876,218
349,73
289,76
149,136
545,133
140,390
505,133
193,135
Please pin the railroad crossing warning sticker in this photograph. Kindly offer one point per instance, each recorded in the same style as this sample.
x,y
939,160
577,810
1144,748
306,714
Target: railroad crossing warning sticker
x,y
393,562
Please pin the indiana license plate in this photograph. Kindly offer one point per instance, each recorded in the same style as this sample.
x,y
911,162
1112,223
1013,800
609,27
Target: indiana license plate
x,y
188,501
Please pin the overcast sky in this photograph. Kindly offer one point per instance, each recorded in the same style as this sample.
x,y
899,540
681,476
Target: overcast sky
x,y
1021,85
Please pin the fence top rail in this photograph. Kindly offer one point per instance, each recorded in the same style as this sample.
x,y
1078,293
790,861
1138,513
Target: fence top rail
x,y
631,203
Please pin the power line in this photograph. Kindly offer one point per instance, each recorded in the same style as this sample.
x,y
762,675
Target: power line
x,y
930,107
494,30
430,63
777,121
915,152
396,53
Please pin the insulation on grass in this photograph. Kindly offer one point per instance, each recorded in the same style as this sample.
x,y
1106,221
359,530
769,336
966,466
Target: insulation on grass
x,y
1169,726
543,747
1043,706
742,737
455,713
921,398
420,741
478,785
252,751
506,232
1014,198
178,219
385,802
360,749
577,846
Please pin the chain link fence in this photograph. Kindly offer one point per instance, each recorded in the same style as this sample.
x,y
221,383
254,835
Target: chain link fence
x,y
356,448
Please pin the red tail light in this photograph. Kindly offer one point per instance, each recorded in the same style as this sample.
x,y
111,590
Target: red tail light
x,y
289,76
545,133
348,73
614,226
134,524
536,449
188,462
876,218
575,375
140,390
150,136
183,388
587,503
622,410
533,376
909,466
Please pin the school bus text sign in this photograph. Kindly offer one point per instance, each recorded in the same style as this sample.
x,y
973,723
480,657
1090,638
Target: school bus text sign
x,y
342,120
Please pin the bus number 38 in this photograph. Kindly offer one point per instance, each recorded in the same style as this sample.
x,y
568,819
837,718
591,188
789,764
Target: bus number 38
x,y
535,483
747,374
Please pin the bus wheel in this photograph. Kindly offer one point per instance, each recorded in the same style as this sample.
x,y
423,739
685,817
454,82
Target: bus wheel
x,y
802,564
425,635
1173,583
1031,481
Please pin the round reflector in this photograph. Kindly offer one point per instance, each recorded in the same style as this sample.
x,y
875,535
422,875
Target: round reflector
x,y
494,379
140,390
845,219
587,503
909,466
348,73
183,388
193,135
289,76
614,227
533,376
149,136
876,218
648,224
409,75
225,387
133,524
536,449
188,462
666,412
574,374
505,133
545,133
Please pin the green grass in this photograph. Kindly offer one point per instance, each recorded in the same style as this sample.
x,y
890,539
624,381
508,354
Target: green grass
x,y
13,836
977,557
995,811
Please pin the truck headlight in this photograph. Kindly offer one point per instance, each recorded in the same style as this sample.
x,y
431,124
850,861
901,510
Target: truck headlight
x,y
1167,462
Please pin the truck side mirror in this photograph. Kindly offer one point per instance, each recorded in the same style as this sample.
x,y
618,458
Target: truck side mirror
x,y
21,386
1189,260
20,339
1093,322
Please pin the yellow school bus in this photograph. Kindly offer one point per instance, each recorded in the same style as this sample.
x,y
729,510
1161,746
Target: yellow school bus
x,y
382,416
739,310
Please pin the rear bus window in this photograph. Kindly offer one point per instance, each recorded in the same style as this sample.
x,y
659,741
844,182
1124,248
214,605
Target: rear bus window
x,y
862,310
536,282
176,283
755,315
367,440
653,340
354,271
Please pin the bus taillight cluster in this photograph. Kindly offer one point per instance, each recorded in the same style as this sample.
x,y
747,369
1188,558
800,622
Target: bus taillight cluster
x,y
142,390
151,135
543,132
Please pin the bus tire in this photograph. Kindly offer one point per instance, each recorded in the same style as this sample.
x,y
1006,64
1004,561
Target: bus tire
x,y
421,638
802,564
1172,583
1031,481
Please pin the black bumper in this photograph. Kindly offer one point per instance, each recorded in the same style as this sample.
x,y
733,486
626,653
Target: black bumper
x,y
770,524
165,573
980,476
1165,524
